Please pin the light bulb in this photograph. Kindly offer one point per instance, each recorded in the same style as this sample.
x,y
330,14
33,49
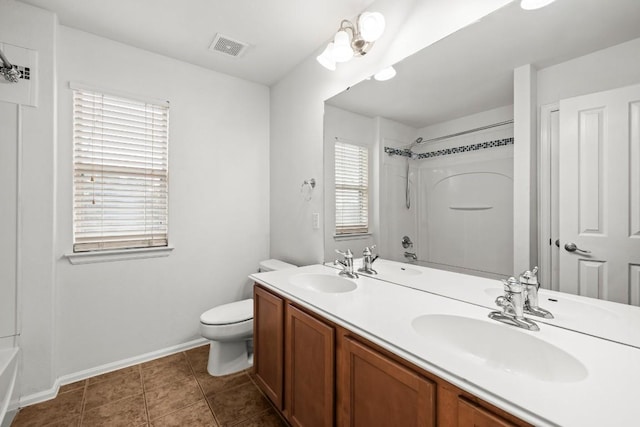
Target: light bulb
x,y
342,50
371,25
385,74
534,4
326,58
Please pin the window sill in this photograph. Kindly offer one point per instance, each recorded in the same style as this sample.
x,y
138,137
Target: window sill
x,y
117,255
359,236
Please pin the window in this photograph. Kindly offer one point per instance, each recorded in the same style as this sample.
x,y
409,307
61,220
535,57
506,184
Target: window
x,y
352,188
120,172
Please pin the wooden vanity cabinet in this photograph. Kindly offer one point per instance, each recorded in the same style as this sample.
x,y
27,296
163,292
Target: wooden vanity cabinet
x,y
268,339
471,414
294,360
320,374
309,370
377,391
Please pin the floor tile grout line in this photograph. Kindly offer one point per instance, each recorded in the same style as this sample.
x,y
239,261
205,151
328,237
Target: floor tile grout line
x,y
193,377
98,381
84,399
111,402
193,372
84,407
144,395
162,385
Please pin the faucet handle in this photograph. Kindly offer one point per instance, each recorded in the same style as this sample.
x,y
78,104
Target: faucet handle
x,y
512,285
368,250
530,277
347,254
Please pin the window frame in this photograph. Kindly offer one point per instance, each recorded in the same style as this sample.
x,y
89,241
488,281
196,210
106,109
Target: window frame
x,y
357,230
156,244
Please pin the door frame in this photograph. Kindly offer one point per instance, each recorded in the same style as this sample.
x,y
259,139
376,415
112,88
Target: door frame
x,y
544,196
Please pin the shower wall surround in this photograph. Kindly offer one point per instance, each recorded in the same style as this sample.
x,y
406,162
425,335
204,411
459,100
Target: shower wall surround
x,y
461,190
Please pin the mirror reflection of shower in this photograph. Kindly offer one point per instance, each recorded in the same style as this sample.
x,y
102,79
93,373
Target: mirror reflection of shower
x,y
451,190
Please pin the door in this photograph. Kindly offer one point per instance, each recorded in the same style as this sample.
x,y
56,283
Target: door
x,y
309,370
599,195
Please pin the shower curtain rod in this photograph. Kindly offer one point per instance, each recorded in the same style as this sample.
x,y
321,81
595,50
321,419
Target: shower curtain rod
x,y
464,132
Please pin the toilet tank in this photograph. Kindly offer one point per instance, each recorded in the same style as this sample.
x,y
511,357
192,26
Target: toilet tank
x,y
274,264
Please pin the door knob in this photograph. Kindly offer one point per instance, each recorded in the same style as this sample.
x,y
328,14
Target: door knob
x,y
571,247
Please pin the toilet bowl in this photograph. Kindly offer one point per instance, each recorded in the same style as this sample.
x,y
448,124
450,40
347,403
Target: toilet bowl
x,y
229,327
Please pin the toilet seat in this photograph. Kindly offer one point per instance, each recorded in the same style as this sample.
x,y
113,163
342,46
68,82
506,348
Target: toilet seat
x,y
228,314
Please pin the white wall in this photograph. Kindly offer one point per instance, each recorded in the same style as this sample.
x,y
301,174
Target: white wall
x,y
28,27
354,129
605,69
297,112
218,206
8,217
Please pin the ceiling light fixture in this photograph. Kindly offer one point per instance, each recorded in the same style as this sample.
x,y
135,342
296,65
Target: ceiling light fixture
x,y
535,4
368,28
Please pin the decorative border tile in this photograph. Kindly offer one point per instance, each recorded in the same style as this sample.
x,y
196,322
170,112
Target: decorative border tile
x,y
454,150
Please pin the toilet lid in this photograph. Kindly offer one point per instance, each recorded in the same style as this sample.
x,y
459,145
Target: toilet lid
x,y
225,314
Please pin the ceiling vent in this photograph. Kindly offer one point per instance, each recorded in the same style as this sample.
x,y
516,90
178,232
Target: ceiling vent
x,y
228,46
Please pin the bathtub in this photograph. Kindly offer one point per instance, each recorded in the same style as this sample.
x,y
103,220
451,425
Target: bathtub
x,y
8,374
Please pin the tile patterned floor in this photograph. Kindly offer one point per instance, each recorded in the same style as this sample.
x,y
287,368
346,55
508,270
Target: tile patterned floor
x,y
172,391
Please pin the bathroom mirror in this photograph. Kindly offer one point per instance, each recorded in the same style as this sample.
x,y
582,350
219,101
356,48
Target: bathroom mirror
x,y
440,136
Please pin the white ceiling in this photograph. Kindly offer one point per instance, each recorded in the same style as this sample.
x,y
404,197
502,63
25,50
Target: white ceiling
x,y
281,33
472,70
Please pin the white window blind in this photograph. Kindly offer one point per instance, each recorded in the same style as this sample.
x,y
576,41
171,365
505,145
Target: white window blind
x,y
120,197
352,188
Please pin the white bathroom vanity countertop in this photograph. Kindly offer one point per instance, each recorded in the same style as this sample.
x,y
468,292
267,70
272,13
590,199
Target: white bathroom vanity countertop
x,y
604,319
383,312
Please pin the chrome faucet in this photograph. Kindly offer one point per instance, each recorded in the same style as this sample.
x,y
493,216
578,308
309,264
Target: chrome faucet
x,y
367,260
512,304
411,255
347,271
529,281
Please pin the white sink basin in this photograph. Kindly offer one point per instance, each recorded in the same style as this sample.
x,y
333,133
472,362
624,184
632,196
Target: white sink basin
x,y
500,347
323,283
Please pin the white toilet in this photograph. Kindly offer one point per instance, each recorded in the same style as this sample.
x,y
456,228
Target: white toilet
x,y
230,329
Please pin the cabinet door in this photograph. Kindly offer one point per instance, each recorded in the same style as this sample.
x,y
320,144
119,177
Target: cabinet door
x,y
309,370
268,330
472,415
377,391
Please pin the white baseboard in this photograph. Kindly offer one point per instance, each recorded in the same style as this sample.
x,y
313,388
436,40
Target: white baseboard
x,y
45,395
